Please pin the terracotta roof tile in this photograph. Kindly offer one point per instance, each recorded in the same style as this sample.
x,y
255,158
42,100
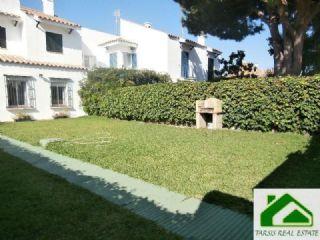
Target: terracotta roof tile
x,y
47,17
9,14
20,60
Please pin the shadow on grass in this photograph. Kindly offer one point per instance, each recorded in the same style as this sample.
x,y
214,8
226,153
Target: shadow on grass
x,y
187,217
300,170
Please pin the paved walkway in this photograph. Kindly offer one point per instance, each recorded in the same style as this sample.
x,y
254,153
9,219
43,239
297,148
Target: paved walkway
x,y
188,217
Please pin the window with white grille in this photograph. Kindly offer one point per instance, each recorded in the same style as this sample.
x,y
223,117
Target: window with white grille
x,y
130,60
89,62
61,93
20,92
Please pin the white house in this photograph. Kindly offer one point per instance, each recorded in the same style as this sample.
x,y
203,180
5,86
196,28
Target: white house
x,y
143,47
43,58
40,62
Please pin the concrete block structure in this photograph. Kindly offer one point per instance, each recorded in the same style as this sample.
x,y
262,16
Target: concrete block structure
x,y
209,114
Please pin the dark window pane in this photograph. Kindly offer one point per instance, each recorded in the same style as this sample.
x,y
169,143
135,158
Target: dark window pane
x,y
210,68
16,93
3,38
54,96
61,93
54,42
57,96
185,64
21,93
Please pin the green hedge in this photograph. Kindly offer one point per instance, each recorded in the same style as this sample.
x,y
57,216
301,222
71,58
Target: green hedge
x,y
280,104
113,77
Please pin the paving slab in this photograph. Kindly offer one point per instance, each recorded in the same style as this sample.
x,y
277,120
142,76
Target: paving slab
x,y
188,217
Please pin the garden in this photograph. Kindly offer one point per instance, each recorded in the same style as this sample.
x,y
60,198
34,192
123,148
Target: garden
x,y
142,125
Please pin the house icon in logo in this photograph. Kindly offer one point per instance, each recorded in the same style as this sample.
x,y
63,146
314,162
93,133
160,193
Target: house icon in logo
x,y
286,212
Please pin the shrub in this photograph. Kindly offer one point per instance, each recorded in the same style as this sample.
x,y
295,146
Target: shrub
x,y
280,104
61,115
113,77
22,117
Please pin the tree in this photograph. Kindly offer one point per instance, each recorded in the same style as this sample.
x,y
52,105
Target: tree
x,y
311,55
287,20
235,67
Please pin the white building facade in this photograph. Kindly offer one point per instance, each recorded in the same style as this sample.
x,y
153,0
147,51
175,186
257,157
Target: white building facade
x,y
44,58
142,47
40,63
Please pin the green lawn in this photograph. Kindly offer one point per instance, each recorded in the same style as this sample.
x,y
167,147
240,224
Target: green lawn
x,y
219,166
36,205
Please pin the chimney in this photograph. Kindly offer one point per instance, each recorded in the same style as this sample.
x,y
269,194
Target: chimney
x,y
148,25
202,39
48,7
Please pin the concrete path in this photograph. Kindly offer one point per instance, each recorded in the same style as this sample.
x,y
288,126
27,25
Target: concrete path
x,y
187,217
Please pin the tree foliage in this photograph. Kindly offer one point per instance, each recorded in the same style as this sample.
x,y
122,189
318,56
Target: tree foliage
x,y
287,20
235,67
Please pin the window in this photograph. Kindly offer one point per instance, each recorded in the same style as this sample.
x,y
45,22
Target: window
x,y
113,60
54,42
61,93
20,92
130,60
210,69
3,38
89,62
185,64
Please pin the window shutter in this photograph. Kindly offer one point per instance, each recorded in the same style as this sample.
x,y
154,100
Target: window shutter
x,y
31,94
134,61
3,37
113,60
70,95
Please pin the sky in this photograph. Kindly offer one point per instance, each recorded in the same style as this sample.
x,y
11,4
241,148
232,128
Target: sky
x,y
164,15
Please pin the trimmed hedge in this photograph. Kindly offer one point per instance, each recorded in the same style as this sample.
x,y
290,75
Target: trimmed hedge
x,y
113,77
280,104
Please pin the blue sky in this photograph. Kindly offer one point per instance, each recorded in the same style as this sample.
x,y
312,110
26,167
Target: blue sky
x,y
163,14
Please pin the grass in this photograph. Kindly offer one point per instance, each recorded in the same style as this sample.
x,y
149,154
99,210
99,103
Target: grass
x,y
36,205
218,166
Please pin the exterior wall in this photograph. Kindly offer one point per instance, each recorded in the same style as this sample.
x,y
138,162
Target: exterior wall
x,y
36,50
91,40
174,59
152,51
41,77
15,44
10,6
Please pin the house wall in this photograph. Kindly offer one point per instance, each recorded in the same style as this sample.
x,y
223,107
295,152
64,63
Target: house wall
x,y
91,39
15,44
36,50
174,59
152,51
41,77
10,6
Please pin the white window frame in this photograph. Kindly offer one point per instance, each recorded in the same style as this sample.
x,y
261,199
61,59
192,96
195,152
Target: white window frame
x,y
67,93
29,92
128,60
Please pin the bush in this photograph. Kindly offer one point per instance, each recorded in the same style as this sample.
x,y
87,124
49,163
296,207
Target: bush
x,y
280,104
61,115
22,117
112,77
